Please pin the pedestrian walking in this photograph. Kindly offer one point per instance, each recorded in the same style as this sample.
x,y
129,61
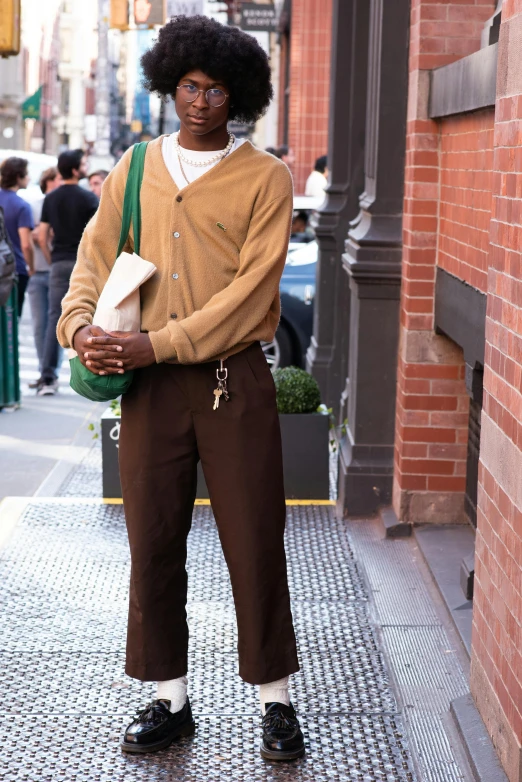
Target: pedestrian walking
x,y
18,218
7,263
96,180
301,231
215,220
66,211
318,179
38,287
287,155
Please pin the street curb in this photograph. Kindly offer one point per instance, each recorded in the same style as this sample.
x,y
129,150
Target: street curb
x,y
11,509
480,752
63,468
49,499
119,501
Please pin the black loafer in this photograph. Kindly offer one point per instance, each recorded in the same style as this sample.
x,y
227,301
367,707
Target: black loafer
x,y
282,737
155,728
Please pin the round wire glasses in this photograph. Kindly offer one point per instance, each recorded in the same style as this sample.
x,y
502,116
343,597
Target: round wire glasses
x,y
214,96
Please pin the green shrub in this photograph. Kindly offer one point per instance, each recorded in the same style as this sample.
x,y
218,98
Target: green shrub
x,y
296,390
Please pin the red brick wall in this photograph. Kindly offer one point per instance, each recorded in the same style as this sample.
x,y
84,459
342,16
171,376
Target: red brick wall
x,y
466,164
432,404
432,432
442,32
496,679
310,49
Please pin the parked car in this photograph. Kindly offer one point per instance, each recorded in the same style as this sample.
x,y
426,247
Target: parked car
x,y
297,293
38,163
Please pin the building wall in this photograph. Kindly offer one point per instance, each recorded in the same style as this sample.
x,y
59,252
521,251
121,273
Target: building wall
x,y
442,32
496,671
310,49
466,179
432,403
463,213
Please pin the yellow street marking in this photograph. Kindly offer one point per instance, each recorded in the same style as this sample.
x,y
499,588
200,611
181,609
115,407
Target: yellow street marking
x,y
310,502
116,501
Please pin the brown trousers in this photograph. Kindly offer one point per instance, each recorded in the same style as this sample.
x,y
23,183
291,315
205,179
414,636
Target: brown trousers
x,y
167,425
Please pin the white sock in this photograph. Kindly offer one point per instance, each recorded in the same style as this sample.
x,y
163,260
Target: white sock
x,y
274,692
175,691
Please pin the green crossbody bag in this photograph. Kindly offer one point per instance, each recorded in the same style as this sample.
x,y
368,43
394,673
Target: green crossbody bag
x,y
104,388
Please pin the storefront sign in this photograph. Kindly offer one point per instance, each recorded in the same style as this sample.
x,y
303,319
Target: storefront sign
x,y
184,7
31,106
257,17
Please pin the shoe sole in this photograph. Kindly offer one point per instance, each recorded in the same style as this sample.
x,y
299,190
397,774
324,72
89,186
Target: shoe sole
x,y
143,749
272,754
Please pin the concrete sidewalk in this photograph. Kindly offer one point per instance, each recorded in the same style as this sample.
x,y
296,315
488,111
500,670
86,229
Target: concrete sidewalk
x,y
64,573
379,666
44,431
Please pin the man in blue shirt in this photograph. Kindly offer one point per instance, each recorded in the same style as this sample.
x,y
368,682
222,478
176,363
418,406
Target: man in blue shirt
x,y
18,219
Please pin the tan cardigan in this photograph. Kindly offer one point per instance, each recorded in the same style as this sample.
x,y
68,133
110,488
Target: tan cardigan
x,y
215,291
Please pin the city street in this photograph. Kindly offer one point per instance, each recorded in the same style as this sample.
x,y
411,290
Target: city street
x,y
281,241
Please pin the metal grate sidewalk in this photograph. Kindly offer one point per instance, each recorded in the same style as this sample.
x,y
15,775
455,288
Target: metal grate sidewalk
x,y
64,578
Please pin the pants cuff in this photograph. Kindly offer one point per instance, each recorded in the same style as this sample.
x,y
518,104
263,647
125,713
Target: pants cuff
x,y
160,672
252,674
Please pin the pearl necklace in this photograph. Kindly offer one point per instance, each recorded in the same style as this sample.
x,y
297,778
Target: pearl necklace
x,y
201,164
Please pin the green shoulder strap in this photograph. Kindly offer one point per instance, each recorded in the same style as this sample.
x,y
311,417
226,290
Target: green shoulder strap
x,y
131,199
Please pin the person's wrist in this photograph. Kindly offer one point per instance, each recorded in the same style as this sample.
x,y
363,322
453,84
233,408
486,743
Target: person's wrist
x,y
76,335
150,350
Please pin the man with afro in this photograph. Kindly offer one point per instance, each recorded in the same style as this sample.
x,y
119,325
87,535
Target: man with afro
x,y
215,220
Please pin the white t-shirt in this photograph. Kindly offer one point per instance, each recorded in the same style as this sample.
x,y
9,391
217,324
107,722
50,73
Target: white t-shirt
x,y
170,156
315,184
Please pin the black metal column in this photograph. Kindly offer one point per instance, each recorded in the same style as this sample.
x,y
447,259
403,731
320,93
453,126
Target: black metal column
x,y
373,263
328,353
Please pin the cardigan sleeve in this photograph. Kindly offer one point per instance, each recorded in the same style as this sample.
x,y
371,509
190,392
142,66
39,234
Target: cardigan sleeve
x,y
96,256
236,311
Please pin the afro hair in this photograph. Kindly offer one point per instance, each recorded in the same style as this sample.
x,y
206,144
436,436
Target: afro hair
x,y
224,53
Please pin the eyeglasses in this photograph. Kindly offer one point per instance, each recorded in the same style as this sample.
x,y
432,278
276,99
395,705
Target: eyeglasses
x,y
214,97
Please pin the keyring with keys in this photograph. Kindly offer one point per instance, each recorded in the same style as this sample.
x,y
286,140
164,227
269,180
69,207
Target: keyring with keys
x,y
221,390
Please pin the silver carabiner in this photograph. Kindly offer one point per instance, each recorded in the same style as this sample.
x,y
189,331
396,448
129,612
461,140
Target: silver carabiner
x,y
222,368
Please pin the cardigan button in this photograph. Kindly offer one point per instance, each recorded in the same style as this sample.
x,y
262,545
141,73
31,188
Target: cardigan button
x,y
173,315
175,276
175,235
179,199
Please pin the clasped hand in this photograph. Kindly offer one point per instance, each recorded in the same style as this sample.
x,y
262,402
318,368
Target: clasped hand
x,y
113,352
